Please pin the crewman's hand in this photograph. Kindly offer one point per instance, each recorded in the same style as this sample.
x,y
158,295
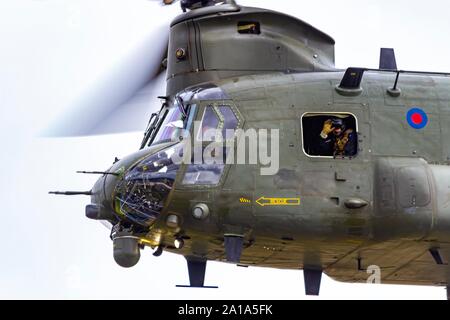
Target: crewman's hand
x,y
327,129
342,143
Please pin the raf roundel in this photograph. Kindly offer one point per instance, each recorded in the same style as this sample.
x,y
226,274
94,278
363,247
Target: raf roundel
x,y
417,118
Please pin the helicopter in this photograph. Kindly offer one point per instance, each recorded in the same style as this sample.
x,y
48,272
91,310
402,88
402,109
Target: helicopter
x,y
384,203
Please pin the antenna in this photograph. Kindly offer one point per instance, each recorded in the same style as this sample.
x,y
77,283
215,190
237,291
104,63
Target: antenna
x,y
99,172
72,193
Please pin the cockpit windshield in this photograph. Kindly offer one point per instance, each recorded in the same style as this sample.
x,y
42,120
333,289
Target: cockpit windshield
x,y
172,122
176,116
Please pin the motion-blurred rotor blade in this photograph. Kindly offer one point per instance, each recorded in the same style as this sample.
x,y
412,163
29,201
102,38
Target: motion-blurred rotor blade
x,y
133,115
112,94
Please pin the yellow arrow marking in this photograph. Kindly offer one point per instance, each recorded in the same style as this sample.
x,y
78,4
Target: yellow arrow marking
x,y
263,201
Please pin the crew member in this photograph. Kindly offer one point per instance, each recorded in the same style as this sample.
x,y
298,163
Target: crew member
x,y
336,140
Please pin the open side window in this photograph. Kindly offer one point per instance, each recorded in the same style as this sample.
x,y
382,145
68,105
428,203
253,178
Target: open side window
x,y
333,135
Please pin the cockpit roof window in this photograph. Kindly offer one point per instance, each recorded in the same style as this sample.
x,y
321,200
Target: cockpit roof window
x,y
205,92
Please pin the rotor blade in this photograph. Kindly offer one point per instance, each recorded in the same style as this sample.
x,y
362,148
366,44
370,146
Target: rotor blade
x,y
133,115
110,94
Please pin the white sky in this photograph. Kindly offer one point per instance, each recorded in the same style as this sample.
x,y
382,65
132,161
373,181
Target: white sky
x,y
53,52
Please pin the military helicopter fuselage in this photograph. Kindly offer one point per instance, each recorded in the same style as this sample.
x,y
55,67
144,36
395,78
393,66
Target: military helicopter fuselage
x,y
387,204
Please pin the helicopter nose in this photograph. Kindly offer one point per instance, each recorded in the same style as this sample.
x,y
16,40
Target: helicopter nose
x,y
126,251
135,188
132,195
101,207
140,195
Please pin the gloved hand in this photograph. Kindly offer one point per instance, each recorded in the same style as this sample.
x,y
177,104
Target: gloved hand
x,y
327,129
341,144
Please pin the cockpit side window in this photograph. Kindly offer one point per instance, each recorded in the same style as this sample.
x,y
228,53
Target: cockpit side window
x,y
330,135
210,121
223,120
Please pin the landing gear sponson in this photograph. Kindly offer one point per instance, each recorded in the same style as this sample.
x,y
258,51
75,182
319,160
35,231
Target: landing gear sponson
x,y
197,270
197,266
313,278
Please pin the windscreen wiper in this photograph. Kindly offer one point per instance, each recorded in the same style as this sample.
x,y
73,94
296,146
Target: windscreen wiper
x,y
149,130
151,126
181,106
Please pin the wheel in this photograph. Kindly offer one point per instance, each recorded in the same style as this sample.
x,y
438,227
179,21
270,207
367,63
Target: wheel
x,y
158,251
